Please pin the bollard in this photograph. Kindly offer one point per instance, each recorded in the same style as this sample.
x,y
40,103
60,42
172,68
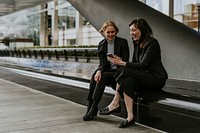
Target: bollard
x,y
16,53
76,56
49,55
56,53
87,56
8,53
12,53
41,54
35,54
24,53
29,54
1,53
4,53
66,55
19,53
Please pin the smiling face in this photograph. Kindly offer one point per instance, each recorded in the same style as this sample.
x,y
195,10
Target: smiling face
x,y
110,33
135,33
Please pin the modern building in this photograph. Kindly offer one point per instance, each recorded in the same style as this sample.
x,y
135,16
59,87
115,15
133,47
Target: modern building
x,y
57,23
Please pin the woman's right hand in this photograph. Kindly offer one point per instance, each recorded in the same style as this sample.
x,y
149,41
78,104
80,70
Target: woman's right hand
x,y
97,76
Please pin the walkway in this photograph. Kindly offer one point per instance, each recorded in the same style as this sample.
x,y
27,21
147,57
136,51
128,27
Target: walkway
x,y
26,110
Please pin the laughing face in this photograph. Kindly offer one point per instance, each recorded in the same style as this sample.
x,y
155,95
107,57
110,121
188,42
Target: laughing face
x,y
110,33
135,33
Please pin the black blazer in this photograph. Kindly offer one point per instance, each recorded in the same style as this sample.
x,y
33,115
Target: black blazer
x,y
121,49
148,59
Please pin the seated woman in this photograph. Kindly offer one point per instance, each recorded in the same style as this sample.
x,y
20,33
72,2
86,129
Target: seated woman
x,y
110,46
145,72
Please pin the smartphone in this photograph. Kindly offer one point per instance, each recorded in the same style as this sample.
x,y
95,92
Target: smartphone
x,y
110,55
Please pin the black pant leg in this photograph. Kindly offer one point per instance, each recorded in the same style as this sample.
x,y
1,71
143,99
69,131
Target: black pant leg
x,y
91,87
106,79
146,79
130,86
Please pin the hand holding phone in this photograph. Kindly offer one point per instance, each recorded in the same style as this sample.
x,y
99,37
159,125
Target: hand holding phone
x,y
110,55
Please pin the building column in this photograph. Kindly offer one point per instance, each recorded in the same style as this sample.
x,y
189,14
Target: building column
x,y
171,8
54,21
43,26
79,29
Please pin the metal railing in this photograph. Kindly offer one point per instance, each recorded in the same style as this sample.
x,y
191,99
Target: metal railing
x,y
70,54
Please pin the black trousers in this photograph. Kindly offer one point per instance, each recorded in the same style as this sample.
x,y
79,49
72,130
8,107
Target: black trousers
x,y
96,90
133,81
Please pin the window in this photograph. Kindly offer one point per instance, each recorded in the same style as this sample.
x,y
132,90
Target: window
x,y
71,41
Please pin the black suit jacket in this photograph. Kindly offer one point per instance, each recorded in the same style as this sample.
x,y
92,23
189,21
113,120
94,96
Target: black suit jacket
x,y
148,59
121,49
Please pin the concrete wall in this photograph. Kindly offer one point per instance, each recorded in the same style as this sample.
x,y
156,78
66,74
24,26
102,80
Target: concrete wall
x,y
180,45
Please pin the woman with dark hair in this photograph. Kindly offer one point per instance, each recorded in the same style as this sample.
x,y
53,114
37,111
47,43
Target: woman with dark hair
x,y
111,47
145,72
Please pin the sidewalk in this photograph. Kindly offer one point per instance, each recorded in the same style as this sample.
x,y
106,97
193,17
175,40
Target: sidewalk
x,y
24,110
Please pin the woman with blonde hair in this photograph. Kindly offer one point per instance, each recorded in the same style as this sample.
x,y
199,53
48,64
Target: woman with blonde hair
x,y
110,47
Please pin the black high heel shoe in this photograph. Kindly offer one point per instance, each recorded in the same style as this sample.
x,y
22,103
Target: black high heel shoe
x,y
105,111
92,114
88,108
126,123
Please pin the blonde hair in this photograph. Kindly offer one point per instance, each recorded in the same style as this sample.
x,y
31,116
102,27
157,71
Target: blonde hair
x,y
106,24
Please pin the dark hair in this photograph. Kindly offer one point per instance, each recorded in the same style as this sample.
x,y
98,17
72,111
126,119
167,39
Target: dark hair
x,y
106,24
146,31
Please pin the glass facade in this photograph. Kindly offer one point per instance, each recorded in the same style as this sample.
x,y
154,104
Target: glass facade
x,y
156,4
34,25
66,17
14,25
185,11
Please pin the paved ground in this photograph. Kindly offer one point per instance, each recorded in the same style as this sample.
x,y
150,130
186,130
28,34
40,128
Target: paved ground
x,y
26,110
